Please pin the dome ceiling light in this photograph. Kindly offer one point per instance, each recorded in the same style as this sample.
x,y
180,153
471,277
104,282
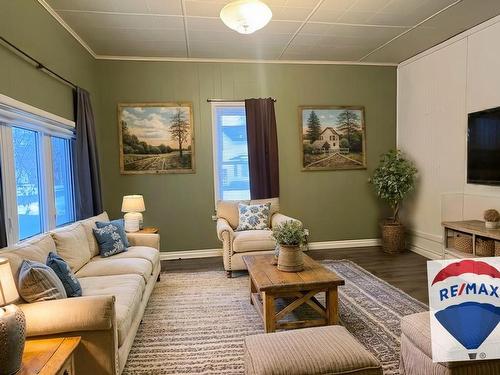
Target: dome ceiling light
x,y
246,16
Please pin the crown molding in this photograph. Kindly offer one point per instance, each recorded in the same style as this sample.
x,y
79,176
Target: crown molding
x,y
241,61
63,23
73,33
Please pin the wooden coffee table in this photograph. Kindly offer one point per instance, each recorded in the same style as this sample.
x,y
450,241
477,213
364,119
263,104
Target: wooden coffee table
x,y
268,283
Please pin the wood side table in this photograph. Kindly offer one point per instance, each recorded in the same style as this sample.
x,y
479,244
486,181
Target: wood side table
x,y
148,230
268,283
49,356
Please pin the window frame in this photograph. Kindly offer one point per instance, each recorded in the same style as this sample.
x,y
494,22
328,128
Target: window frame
x,y
215,143
46,126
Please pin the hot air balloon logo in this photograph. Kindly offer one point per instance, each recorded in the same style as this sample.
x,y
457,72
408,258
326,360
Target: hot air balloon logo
x,y
464,300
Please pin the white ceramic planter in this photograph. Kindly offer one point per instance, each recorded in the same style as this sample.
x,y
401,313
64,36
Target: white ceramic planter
x,y
491,224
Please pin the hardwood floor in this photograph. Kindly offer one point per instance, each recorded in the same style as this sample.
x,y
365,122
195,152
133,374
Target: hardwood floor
x,y
406,271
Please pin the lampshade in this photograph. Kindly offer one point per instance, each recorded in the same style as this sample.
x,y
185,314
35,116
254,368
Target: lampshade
x,y
8,291
133,203
246,16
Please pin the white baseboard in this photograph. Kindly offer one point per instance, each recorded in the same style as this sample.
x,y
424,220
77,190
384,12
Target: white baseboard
x,y
344,244
426,244
190,254
208,253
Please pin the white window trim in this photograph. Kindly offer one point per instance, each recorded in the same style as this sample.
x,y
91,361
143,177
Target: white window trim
x,y
215,144
17,114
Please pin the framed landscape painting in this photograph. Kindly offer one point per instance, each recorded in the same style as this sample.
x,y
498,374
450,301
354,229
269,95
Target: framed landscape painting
x,y
156,138
332,138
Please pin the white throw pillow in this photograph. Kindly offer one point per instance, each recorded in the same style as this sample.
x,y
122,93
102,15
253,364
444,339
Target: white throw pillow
x,y
253,216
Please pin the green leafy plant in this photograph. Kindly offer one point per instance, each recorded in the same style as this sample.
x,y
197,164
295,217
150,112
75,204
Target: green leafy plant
x,y
491,215
290,233
394,179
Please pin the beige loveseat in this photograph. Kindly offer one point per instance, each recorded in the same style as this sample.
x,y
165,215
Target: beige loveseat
x,y
115,293
236,244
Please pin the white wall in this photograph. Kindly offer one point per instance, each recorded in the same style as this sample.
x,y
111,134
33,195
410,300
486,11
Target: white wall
x,y
436,90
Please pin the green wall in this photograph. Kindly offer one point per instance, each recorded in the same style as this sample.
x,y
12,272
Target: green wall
x,y
26,24
334,205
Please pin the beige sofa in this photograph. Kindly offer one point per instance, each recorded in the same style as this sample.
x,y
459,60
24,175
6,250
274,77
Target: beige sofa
x,y
236,244
115,293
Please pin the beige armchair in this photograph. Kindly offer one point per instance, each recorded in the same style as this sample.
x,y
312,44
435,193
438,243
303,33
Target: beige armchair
x,y
236,244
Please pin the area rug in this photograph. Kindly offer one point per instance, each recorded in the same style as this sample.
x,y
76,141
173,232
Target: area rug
x,y
195,322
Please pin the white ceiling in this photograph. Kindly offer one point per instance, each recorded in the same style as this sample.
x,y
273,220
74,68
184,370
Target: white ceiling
x,y
382,31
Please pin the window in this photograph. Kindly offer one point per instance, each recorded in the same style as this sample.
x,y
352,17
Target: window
x,y
231,173
36,164
63,180
27,180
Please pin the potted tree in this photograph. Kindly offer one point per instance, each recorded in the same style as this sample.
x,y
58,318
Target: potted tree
x,y
290,236
393,180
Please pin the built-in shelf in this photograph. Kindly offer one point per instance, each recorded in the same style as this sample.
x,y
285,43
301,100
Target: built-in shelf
x,y
473,228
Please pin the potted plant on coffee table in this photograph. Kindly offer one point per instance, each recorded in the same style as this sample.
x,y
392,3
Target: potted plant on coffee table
x,y
393,180
290,236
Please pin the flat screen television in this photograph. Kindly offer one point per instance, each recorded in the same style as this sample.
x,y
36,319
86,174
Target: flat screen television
x,y
483,147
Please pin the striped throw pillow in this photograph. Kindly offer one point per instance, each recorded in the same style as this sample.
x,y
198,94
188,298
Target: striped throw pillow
x,y
38,282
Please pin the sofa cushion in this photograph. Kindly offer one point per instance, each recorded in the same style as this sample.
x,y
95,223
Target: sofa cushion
x,y
321,350
88,225
64,273
143,252
72,245
253,240
417,328
37,249
38,282
128,291
116,266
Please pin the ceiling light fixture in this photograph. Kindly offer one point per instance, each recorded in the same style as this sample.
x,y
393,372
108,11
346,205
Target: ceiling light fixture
x,y
246,16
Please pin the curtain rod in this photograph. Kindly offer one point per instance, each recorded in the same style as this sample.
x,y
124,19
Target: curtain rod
x,y
37,63
229,100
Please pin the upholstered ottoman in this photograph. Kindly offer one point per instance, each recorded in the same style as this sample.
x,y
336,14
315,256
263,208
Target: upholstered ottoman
x,y
323,350
416,352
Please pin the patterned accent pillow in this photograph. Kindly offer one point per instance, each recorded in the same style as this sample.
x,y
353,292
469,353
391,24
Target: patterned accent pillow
x,y
63,271
109,240
38,282
253,216
121,228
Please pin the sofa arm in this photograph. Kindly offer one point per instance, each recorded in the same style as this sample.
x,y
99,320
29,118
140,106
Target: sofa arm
x,y
145,239
92,313
278,219
223,228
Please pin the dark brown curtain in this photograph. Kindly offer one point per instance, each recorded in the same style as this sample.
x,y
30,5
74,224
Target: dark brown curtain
x,y
88,200
262,138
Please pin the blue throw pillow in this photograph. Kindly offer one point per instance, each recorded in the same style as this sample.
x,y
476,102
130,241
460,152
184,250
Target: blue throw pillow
x,y
63,271
109,240
121,228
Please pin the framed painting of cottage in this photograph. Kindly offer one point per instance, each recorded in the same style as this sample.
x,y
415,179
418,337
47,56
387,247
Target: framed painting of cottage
x,y
332,138
156,138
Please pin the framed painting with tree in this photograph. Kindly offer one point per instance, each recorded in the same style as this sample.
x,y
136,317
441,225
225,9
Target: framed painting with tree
x,y
332,137
156,138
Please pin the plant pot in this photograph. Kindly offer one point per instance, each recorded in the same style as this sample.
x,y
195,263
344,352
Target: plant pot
x,y
491,224
393,237
290,259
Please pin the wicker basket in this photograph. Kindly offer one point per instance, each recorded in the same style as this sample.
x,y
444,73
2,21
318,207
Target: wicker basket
x,y
393,237
497,248
485,247
463,243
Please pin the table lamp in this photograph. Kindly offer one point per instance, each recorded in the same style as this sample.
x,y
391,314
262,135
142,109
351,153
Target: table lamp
x,y
12,323
133,206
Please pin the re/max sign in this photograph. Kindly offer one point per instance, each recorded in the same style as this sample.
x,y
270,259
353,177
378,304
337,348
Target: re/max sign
x,y
468,288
